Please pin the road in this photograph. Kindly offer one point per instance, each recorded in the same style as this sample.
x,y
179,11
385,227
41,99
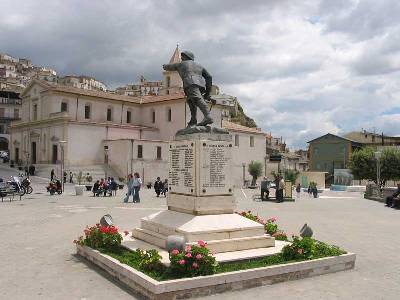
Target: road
x,y
38,257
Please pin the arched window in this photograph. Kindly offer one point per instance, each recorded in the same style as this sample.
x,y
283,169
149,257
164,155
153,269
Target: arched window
x,y
109,114
87,110
64,106
169,114
128,116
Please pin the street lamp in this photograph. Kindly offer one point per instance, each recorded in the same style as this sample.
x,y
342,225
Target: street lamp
x,y
378,155
62,144
27,164
106,159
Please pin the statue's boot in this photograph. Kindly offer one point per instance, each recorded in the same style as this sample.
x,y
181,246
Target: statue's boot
x,y
206,112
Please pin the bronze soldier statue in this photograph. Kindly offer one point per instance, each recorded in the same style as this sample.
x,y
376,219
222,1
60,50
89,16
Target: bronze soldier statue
x,y
197,86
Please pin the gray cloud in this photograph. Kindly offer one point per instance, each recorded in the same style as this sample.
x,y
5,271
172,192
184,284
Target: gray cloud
x,y
300,69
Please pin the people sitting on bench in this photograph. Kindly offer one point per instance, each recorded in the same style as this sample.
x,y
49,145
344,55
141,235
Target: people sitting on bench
x,y
394,199
96,187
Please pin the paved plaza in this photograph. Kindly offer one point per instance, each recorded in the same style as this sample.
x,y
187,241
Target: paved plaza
x,y
38,257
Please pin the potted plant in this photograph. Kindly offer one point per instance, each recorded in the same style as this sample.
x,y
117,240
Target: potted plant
x,y
79,187
89,180
121,184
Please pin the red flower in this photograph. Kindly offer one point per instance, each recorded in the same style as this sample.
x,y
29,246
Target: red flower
x,y
182,262
104,229
188,255
126,232
175,252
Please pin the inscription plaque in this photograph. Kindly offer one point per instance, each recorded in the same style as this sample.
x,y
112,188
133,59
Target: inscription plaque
x,y
215,173
182,167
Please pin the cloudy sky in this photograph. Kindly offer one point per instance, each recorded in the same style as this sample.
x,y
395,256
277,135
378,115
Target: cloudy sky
x,y
300,68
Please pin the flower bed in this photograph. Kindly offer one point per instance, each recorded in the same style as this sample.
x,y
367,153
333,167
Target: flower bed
x,y
197,260
270,225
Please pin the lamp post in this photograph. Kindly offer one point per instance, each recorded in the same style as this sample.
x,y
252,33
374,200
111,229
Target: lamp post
x,y
106,159
62,144
27,164
378,155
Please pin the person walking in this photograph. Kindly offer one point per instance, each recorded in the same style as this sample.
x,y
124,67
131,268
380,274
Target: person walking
x,y
165,188
309,191
281,186
264,189
52,175
136,184
158,186
298,190
70,177
129,184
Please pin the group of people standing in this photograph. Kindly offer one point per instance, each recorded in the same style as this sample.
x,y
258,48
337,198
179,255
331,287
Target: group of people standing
x,y
134,184
279,186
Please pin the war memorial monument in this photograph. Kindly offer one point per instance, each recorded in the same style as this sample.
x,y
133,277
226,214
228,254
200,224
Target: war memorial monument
x,y
201,207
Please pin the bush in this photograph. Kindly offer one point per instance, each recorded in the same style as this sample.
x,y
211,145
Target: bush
x,y
192,261
307,248
270,225
280,236
101,237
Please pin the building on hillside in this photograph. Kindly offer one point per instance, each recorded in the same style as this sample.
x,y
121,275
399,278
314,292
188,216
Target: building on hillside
x,y
372,139
82,82
143,88
10,110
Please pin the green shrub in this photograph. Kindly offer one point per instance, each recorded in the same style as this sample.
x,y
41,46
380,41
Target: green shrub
x,y
307,248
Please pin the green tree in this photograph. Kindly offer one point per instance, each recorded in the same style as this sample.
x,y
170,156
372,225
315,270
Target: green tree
x,y
291,175
363,165
255,170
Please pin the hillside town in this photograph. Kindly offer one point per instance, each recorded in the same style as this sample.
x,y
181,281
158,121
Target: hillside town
x,y
134,123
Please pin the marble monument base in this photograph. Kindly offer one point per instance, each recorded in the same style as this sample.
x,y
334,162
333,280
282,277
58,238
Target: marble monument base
x,y
195,205
223,232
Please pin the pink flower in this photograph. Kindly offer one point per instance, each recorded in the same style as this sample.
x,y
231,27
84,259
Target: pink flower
x,y
188,248
195,265
181,262
199,256
273,219
175,252
202,243
188,255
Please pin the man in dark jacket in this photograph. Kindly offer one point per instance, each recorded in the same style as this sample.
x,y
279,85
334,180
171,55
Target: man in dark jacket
x,y
394,200
158,186
197,84
264,189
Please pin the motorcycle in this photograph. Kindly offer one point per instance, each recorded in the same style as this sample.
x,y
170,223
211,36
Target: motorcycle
x,y
16,184
54,187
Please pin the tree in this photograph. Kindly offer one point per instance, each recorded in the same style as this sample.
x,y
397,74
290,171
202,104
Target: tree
x,y
291,175
255,170
363,165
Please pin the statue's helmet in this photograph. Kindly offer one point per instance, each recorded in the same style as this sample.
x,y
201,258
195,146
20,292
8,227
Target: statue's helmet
x,y
188,54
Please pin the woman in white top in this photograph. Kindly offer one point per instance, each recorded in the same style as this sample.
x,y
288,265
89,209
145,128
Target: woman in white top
x,y
137,183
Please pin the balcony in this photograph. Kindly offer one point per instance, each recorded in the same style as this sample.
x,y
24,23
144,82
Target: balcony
x,y
10,101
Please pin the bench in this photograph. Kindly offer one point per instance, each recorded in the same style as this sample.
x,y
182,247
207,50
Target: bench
x,y
7,190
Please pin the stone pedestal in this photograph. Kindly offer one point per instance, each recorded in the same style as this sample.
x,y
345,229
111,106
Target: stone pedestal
x,y
200,200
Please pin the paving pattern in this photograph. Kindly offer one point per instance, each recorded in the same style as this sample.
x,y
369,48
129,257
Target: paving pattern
x,y
38,261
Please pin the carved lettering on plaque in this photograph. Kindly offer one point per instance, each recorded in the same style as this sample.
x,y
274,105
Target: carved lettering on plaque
x,y
181,169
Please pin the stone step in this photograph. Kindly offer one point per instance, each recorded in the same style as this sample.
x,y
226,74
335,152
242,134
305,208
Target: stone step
x,y
217,246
